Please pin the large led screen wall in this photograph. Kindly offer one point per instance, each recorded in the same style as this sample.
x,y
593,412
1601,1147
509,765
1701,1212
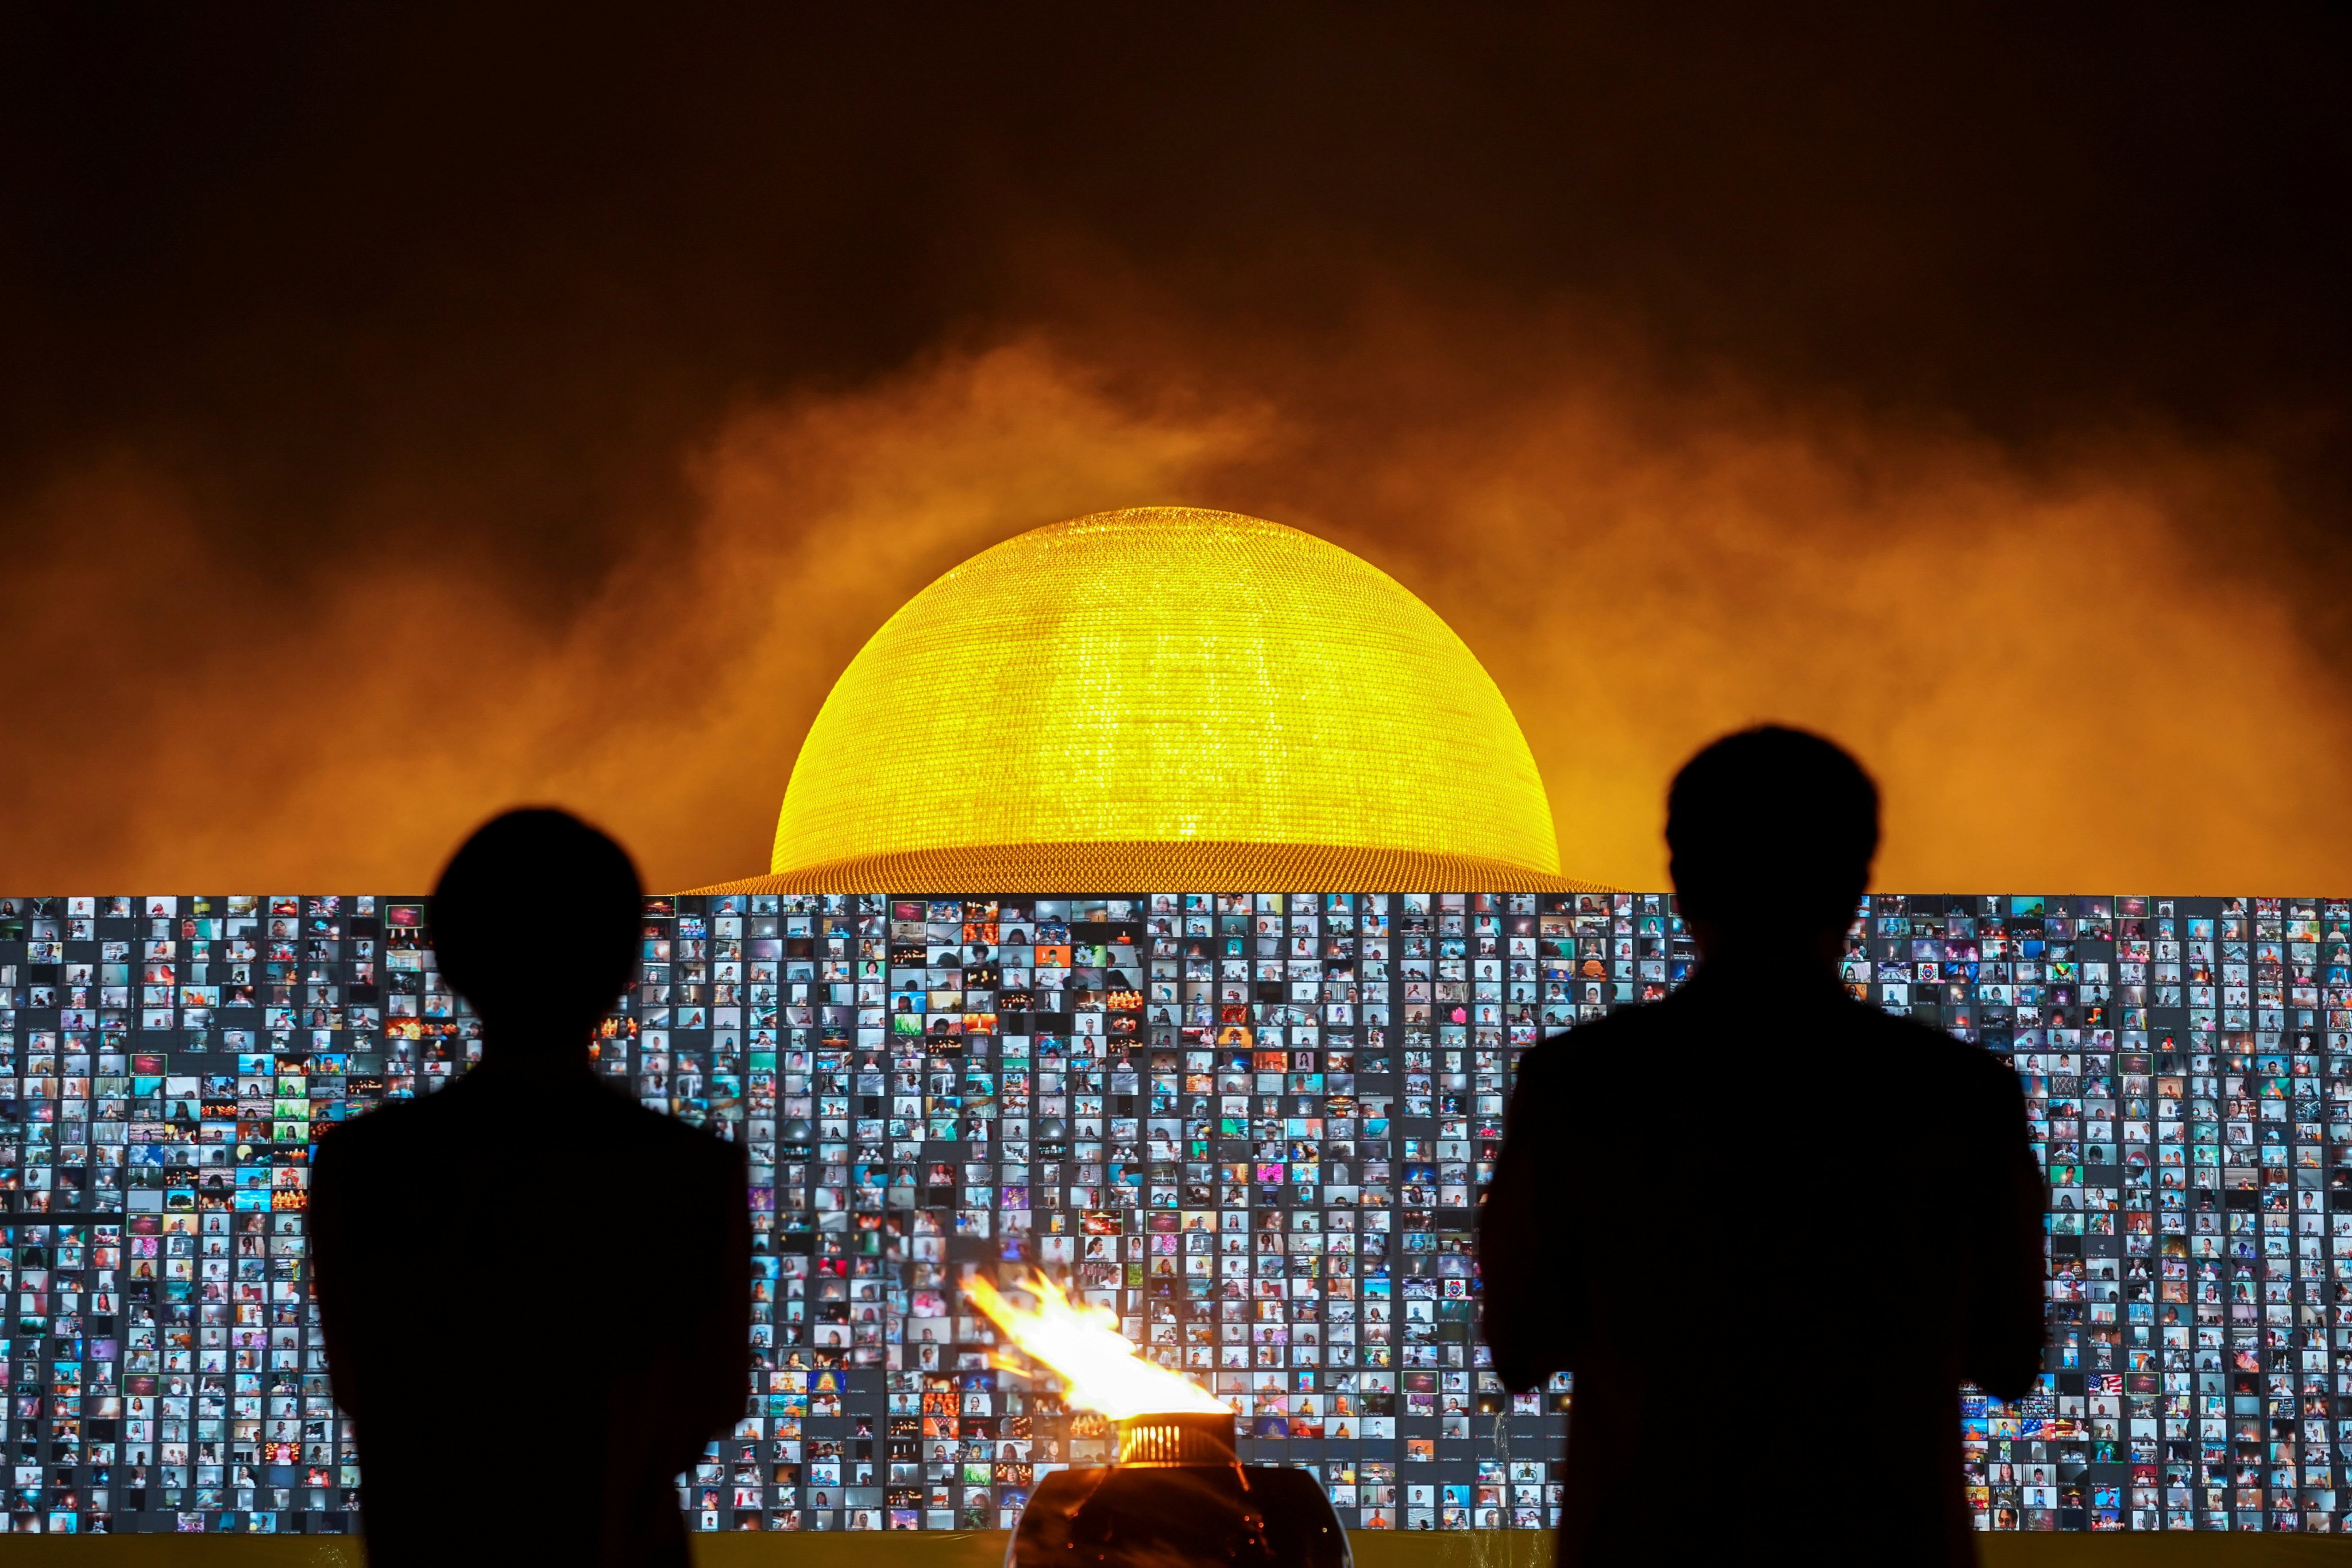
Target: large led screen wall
x,y
1252,1125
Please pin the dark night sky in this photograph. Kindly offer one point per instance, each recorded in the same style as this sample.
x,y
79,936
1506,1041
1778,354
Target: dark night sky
x,y
329,292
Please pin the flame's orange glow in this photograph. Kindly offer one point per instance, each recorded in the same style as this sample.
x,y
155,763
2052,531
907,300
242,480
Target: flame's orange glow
x,y
1081,1344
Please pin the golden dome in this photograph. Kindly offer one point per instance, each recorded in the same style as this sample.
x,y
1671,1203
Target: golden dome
x,y
1163,699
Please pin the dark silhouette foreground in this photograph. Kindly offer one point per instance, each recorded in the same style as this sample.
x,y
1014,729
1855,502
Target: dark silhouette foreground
x,y
1769,1229
535,1293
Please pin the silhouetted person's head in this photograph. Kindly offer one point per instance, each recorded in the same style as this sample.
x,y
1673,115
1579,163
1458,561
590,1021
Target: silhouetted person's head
x,y
535,924
1771,832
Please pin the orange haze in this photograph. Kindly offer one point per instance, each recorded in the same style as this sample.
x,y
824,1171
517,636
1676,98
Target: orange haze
x,y
2057,691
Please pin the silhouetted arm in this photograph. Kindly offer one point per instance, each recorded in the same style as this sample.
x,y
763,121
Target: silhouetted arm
x,y
1525,1263
2002,1353
717,1305
334,1270
726,1368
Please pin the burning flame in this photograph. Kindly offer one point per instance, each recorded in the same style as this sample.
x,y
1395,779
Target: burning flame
x,y
1082,1345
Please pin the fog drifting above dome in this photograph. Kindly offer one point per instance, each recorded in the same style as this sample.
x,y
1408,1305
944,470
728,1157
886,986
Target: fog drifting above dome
x,y
1163,697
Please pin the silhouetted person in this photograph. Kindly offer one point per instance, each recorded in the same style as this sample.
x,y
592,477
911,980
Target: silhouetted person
x,y
1788,1276
536,1293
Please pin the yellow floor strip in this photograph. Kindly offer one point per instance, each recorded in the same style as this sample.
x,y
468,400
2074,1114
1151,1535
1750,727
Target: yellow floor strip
x,y
985,1548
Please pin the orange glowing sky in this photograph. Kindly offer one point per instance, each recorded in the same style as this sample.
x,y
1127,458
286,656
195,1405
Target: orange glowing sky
x,y
362,483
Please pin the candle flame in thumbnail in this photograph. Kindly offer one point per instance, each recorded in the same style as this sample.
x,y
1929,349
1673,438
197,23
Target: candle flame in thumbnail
x,y
1081,1344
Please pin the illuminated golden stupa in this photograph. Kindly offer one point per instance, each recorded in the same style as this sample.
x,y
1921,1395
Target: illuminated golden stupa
x,y
1163,699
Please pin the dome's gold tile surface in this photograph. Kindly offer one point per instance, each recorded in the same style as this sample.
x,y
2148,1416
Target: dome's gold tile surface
x,y
1153,679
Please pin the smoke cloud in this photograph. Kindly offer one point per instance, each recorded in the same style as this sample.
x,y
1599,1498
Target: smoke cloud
x,y
411,416
2056,687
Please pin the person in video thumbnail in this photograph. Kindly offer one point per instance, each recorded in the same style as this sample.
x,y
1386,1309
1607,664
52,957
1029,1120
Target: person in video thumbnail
x,y
1927,1273
485,1241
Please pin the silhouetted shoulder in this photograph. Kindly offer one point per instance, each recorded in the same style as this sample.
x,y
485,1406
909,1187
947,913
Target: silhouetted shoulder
x,y
689,1147
1968,1071
1601,1046
1575,1067
530,1111
1604,1038
385,1129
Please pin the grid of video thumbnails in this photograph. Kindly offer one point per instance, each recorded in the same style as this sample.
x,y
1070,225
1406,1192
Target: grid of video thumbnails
x,y
1252,1125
